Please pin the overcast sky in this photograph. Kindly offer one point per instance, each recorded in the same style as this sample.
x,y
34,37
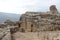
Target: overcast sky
x,y
21,6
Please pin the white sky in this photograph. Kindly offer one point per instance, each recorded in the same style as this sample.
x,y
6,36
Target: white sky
x,y
21,6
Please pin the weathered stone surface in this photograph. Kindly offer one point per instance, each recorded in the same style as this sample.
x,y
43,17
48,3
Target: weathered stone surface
x,y
53,9
5,34
44,35
41,21
33,26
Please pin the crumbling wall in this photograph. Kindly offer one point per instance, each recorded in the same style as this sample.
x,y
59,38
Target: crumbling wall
x,y
41,21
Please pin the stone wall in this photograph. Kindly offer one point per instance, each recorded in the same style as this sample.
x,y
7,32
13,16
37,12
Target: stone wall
x,y
41,21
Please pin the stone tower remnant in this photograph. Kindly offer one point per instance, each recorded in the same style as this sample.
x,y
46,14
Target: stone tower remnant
x,y
53,9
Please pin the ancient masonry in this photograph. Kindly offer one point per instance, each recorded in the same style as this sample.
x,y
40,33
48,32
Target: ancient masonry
x,y
39,25
33,26
41,21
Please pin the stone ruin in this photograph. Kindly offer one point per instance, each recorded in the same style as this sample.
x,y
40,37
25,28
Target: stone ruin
x,y
53,9
41,21
5,34
7,29
37,23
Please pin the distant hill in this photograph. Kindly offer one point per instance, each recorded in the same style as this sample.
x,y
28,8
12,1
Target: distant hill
x,y
11,16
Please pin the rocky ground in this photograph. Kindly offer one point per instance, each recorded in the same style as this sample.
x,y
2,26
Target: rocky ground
x,y
5,34
37,36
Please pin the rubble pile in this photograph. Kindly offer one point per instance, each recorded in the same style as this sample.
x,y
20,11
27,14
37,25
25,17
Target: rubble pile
x,y
5,34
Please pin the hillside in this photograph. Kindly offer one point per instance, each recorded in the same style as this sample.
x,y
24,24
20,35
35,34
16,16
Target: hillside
x,y
11,16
